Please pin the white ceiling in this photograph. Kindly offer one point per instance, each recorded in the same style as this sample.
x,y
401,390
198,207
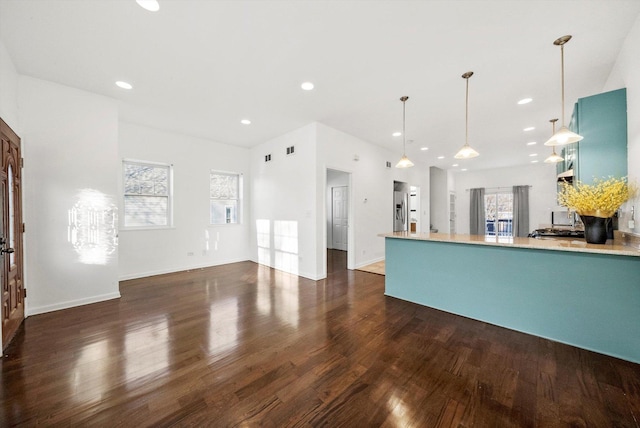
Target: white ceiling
x,y
198,67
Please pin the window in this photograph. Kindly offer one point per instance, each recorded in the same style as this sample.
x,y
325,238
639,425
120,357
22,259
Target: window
x,y
147,194
499,214
225,195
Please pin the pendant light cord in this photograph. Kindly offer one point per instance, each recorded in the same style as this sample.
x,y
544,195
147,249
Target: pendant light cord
x,y
466,116
562,74
404,139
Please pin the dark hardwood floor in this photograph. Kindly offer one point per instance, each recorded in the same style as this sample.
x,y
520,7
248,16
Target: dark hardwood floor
x,y
245,345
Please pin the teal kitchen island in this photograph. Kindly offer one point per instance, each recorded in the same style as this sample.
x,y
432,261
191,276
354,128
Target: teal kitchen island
x,y
584,295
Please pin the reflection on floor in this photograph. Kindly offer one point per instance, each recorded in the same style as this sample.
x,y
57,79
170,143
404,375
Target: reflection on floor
x,y
246,345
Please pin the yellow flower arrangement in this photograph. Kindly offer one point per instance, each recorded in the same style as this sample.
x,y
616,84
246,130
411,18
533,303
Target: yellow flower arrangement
x,y
600,199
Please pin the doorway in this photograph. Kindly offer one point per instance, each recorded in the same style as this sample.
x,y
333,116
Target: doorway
x,y
11,230
339,215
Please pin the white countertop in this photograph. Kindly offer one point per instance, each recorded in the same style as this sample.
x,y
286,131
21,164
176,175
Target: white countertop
x,y
546,243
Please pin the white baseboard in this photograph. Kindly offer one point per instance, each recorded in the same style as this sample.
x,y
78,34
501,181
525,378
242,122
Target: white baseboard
x,y
70,304
177,269
369,262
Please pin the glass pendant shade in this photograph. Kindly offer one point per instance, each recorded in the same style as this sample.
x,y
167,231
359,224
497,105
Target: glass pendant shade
x,y
562,137
466,152
554,158
404,162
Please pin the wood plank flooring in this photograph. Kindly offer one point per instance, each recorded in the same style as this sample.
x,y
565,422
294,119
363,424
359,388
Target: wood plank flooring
x,y
245,345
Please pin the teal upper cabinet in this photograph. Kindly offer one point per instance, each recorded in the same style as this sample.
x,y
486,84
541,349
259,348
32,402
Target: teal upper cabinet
x,y
602,121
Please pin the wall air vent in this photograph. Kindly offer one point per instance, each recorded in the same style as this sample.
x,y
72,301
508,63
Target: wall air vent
x,y
388,164
290,150
267,158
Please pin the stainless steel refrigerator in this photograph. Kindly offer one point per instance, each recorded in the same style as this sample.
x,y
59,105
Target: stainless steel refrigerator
x,y
400,211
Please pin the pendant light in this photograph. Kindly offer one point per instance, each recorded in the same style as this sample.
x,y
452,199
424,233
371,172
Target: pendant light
x,y
404,161
554,158
564,135
466,151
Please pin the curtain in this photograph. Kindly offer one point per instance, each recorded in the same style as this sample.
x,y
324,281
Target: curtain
x,y
476,212
521,211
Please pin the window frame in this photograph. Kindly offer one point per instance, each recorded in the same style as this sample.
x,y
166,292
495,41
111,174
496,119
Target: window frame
x,y
239,200
170,194
509,222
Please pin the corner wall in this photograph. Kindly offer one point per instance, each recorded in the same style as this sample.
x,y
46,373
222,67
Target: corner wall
x,y
371,191
70,146
192,242
284,209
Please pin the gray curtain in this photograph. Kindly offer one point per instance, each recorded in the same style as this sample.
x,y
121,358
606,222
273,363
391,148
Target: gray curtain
x,y
521,211
476,212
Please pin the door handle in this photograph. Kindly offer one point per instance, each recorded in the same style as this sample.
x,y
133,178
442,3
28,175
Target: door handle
x,y
6,250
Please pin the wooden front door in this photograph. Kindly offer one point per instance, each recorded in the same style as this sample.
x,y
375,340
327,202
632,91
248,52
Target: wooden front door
x,y
11,229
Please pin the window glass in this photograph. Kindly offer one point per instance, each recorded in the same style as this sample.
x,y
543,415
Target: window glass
x,y
147,194
498,214
224,197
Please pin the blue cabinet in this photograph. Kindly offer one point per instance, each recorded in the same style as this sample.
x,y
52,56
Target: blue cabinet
x,y
602,121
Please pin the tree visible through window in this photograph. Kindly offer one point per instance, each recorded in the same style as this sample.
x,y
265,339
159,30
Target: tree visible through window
x,y
224,197
499,214
147,194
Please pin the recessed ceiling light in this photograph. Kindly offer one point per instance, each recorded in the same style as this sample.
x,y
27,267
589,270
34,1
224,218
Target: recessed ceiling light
x,y
531,128
396,134
124,85
455,164
534,161
533,155
307,86
424,148
245,122
463,169
531,143
150,5
440,157
525,101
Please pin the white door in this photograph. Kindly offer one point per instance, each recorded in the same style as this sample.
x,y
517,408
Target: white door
x,y
339,217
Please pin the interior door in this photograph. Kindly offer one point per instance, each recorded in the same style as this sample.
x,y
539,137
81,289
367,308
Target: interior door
x,y
340,217
11,229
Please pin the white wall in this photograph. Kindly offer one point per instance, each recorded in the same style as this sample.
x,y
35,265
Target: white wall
x,y
542,194
439,189
371,188
626,73
8,90
70,144
191,242
284,207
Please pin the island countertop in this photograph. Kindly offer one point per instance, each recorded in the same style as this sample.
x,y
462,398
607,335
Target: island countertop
x,y
553,244
566,290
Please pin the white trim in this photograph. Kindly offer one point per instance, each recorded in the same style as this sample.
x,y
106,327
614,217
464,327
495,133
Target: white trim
x,y
71,303
369,262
